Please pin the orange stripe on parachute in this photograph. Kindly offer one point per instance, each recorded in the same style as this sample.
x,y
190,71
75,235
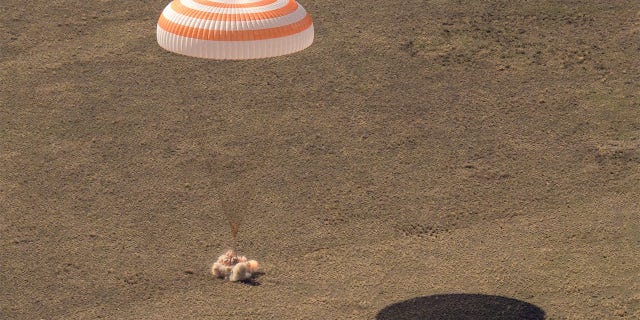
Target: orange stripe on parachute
x,y
233,5
180,8
238,35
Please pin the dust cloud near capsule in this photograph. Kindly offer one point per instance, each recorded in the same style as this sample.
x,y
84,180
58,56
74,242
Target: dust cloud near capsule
x,y
232,267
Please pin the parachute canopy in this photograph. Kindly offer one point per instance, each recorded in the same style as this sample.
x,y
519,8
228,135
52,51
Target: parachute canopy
x,y
234,29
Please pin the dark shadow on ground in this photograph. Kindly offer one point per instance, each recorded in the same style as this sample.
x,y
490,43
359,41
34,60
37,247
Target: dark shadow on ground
x,y
462,307
253,281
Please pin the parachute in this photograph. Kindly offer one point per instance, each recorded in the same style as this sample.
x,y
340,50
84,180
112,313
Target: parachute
x,y
234,29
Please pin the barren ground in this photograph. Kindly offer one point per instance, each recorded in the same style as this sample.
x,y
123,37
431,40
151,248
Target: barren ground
x,y
418,149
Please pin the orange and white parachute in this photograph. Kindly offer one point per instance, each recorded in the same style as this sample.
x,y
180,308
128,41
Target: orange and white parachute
x,y
234,29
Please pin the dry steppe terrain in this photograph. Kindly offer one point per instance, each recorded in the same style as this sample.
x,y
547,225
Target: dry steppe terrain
x,y
421,160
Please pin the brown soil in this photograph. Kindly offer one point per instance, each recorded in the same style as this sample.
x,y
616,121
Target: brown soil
x,y
422,150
